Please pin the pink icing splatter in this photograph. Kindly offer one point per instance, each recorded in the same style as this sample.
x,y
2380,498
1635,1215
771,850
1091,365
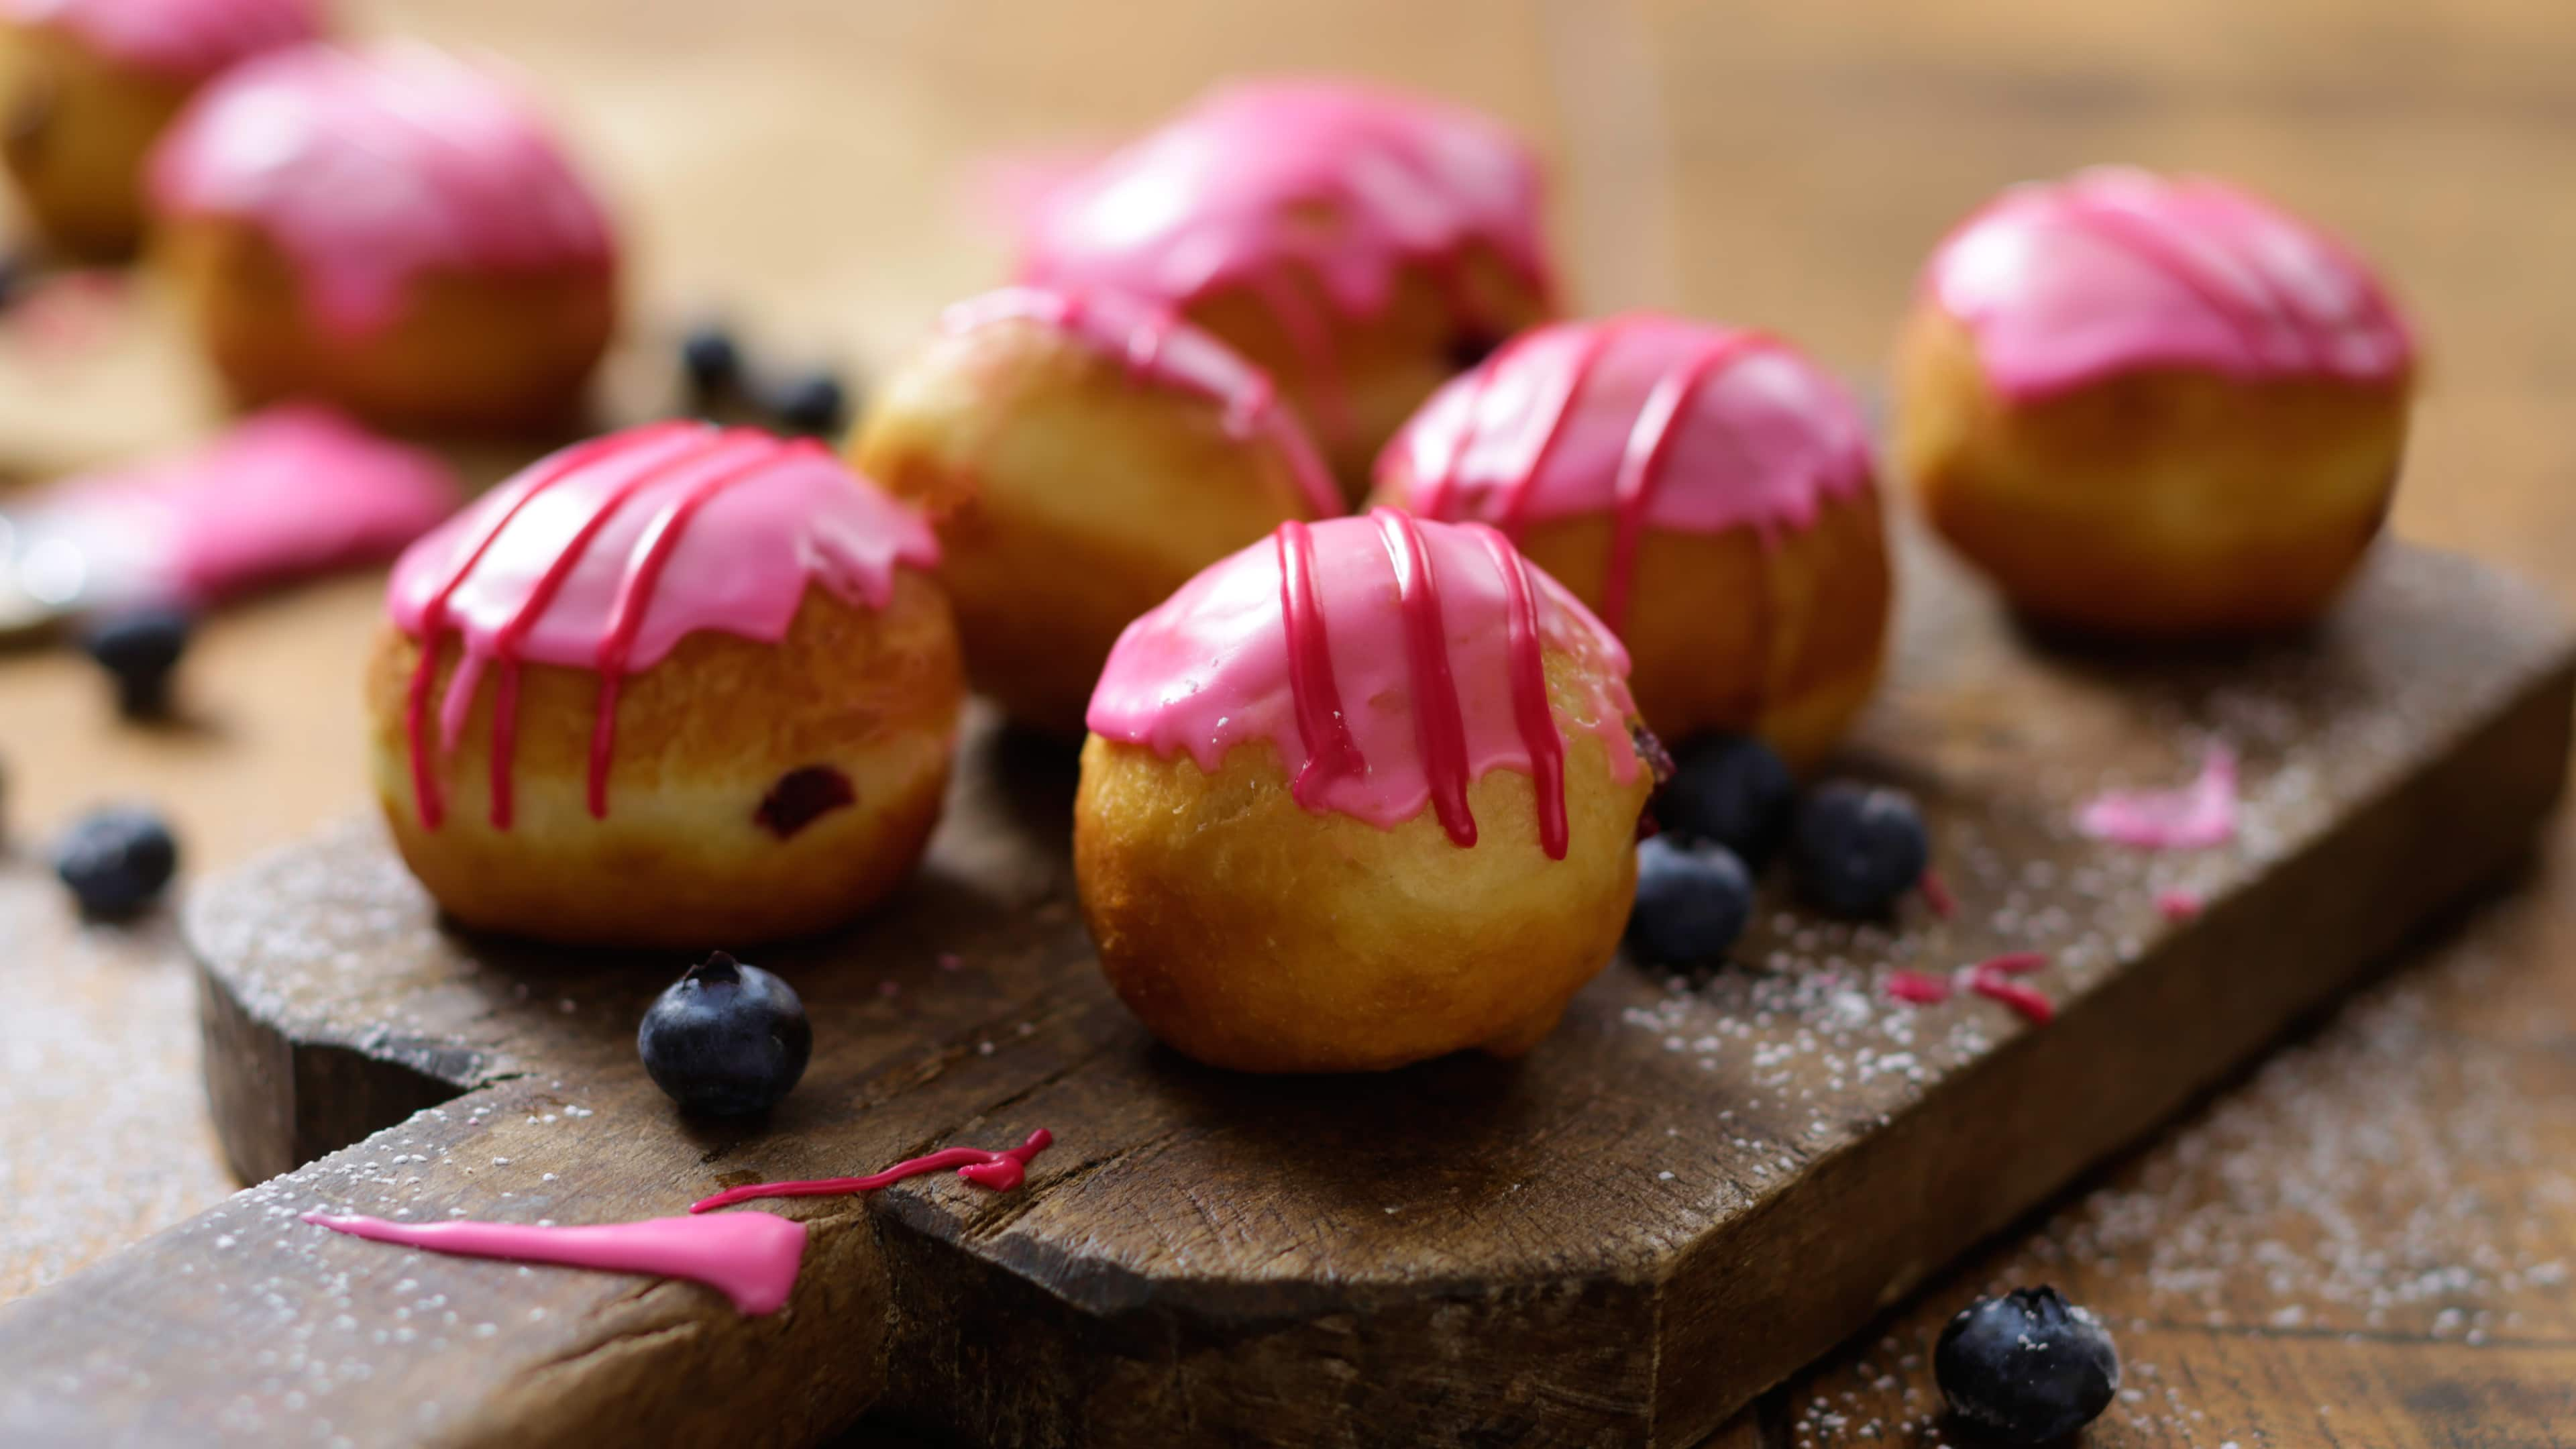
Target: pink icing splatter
x,y
2200,814
288,493
1225,196
2116,270
1995,986
1918,988
1158,346
995,1171
369,166
605,555
180,39
750,1258
2178,904
1658,421
1329,620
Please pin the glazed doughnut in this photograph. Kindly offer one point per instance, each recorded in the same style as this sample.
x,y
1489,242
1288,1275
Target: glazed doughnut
x,y
1082,455
390,229
1707,491
86,86
2152,406
680,686
1360,246
1361,794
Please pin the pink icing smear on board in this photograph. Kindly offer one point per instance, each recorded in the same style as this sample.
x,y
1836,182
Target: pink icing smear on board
x,y
2199,815
750,1258
994,1171
291,492
1391,661
1226,196
1157,346
1657,421
605,555
2116,270
180,39
369,166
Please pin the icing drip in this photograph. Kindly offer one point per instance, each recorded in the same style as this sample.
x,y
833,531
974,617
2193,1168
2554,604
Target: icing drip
x,y
2178,904
998,1171
369,167
1227,195
1436,641
291,492
1158,346
1916,987
604,556
1655,421
2116,270
181,39
751,1258
2200,814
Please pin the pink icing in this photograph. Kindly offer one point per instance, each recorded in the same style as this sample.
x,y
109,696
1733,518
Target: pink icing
x,y
1225,196
1386,658
369,166
182,39
2178,904
1158,346
994,1171
290,492
1657,421
750,1258
605,555
2200,814
2117,269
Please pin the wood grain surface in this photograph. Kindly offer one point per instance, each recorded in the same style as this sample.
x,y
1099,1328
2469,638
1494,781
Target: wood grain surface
x,y
809,163
1695,1187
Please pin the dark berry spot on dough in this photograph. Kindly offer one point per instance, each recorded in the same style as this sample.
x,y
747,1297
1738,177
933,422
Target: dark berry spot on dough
x,y
800,796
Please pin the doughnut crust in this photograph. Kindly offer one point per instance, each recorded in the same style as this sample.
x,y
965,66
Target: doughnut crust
x,y
486,351
707,839
1726,632
1440,319
1069,497
1253,934
74,129
2160,503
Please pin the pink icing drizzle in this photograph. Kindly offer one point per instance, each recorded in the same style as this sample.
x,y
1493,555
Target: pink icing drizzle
x,y
2116,269
1159,346
2178,904
605,555
182,39
1419,686
996,1171
750,1258
1657,421
2200,814
369,166
290,492
1225,195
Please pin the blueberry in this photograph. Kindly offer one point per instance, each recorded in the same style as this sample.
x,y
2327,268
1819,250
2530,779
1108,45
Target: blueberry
x,y
2026,1368
812,403
117,860
1858,847
1692,901
1734,790
138,648
725,1039
711,360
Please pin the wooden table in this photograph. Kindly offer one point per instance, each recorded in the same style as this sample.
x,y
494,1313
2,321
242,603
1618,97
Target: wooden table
x,y
2367,1242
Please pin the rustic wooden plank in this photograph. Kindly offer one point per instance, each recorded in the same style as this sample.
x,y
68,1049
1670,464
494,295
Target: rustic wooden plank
x,y
1694,1188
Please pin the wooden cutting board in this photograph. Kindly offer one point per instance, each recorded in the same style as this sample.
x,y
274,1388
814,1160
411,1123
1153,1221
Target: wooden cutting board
x,y
1693,1188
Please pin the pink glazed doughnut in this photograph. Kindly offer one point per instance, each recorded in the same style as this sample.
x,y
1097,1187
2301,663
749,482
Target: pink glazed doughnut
x,y
1359,245
1361,794
389,228
2153,406
679,686
1706,490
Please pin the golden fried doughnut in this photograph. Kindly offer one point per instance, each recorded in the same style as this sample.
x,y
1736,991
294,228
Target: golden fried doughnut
x,y
1707,491
1081,455
2153,407
1361,794
689,686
